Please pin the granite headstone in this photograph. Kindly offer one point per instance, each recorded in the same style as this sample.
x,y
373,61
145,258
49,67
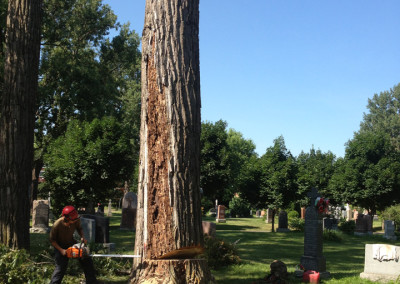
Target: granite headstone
x,y
283,222
313,258
40,216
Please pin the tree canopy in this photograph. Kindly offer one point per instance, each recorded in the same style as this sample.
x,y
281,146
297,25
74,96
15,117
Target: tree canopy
x,y
369,175
87,163
84,74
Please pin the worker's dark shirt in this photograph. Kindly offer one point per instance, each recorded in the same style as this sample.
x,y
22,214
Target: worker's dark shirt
x,y
63,234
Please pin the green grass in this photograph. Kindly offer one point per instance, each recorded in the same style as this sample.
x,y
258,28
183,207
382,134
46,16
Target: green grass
x,y
258,248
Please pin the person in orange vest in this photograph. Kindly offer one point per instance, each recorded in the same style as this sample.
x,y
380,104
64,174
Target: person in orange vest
x,y
61,238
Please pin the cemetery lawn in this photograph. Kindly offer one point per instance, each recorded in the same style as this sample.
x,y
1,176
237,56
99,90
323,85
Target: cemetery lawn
x,y
257,247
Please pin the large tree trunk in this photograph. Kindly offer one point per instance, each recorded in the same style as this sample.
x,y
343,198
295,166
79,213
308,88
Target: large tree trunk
x,y
169,214
18,100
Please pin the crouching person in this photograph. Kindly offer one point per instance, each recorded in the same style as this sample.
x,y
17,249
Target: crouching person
x,y
61,238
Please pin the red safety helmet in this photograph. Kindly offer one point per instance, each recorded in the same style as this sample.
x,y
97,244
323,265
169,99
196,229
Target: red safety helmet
x,y
70,212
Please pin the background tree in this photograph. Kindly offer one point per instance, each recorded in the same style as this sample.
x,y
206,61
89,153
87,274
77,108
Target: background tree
x,y
83,74
278,177
240,151
169,173
384,115
315,169
215,169
17,109
3,21
248,182
369,175
87,163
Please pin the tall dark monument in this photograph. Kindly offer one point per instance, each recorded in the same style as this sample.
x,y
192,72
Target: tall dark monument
x,y
313,235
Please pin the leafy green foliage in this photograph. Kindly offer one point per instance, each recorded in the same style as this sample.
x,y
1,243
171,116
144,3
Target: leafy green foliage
x,y
332,236
296,224
220,253
16,267
83,74
383,115
109,266
214,159
392,213
292,214
347,227
278,180
249,181
239,207
315,169
87,163
369,176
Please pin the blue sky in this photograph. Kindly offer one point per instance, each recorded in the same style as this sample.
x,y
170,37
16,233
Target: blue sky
x,y
300,69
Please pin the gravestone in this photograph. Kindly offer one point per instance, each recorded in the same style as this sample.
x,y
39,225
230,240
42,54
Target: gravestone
x,y
368,223
102,224
263,213
209,228
313,236
258,213
303,213
283,222
268,220
129,205
330,223
89,229
221,214
363,225
381,262
389,230
355,215
349,215
213,212
100,210
109,208
129,200
40,216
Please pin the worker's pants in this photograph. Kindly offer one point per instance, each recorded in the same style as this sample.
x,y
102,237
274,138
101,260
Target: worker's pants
x,y
62,265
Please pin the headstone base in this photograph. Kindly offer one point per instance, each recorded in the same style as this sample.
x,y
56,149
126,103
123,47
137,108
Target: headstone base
x,y
325,275
220,220
393,238
369,233
110,247
378,277
39,230
314,263
282,230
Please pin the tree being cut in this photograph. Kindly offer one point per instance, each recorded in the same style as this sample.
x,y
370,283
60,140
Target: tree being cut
x,y
169,230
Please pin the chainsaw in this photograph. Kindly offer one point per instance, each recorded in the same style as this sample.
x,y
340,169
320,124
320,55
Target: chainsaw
x,y
81,251
77,251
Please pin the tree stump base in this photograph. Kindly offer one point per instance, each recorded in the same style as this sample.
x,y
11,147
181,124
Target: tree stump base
x,y
172,271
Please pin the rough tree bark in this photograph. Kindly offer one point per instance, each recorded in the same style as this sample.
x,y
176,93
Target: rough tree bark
x,y
17,109
169,214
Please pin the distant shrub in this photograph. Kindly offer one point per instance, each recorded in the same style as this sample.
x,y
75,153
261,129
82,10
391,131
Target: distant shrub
x,y
347,227
296,224
220,253
239,207
392,213
292,214
332,236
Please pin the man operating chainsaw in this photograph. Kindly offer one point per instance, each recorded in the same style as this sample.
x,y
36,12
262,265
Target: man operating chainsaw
x,y
61,238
